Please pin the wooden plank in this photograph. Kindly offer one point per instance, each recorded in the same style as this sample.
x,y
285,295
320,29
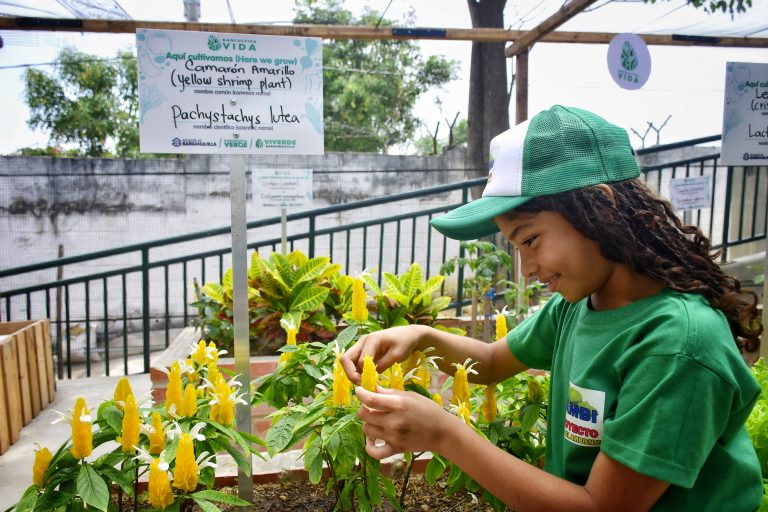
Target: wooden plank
x,y
20,340
537,33
47,392
34,374
12,327
10,374
5,432
490,35
41,363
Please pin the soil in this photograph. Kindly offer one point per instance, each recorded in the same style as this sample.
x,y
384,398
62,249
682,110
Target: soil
x,y
301,496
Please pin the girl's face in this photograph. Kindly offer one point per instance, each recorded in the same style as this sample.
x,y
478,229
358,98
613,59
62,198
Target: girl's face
x,y
560,257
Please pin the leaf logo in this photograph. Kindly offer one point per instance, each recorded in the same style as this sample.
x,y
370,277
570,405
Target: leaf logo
x,y
214,43
628,57
259,143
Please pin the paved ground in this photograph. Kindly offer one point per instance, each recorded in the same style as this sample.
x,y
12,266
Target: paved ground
x,y
16,463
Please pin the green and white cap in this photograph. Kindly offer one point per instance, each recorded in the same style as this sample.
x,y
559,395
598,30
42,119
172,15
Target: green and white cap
x,y
559,149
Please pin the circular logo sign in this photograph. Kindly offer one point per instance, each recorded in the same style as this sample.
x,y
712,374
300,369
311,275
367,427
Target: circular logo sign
x,y
629,61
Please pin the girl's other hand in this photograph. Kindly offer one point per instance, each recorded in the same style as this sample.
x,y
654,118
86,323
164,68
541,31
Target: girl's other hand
x,y
387,347
402,421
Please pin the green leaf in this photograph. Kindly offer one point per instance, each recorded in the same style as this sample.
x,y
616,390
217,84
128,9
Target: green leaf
x,y
530,416
205,505
221,497
435,468
312,269
121,478
313,458
346,336
283,270
92,488
213,291
28,499
432,284
309,299
114,418
280,434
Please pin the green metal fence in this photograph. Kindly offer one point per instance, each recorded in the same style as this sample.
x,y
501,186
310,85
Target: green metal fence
x,y
114,321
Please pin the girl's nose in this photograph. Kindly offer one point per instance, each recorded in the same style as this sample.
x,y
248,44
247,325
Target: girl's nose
x,y
528,267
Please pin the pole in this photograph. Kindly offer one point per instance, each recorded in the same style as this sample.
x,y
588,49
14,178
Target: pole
x,y
284,231
237,196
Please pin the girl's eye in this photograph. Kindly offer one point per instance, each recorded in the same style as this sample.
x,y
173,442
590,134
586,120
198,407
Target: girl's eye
x,y
528,241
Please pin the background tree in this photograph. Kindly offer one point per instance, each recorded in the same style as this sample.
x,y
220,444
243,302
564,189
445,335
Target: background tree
x,y
370,88
425,145
86,101
488,109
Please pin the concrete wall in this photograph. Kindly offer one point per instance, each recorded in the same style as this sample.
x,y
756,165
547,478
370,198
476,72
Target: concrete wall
x,y
95,204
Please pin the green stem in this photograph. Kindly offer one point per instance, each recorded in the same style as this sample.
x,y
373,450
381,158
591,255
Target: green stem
x,y
120,492
136,490
336,483
408,477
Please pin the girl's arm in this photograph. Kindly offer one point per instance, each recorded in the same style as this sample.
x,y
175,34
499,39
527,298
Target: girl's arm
x,y
495,361
408,422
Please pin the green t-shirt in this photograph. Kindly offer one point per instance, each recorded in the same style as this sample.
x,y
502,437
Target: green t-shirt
x,y
658,385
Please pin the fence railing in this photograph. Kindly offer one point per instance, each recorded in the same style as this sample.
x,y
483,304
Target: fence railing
x,y
110,322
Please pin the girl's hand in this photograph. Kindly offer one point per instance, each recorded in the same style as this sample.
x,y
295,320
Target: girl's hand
x,y
387,347
402,421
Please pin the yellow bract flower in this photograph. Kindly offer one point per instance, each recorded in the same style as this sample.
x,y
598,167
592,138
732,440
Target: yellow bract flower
x,y
173,391
188,402
460,387
341,385
463,413
157,436
185,472
359,307
198,355
159,486
370,378
42,460
396,377
437,397
423,377
290,340
131,426
82,436
223,410
213,374
535,391
122,390
489,404
501,325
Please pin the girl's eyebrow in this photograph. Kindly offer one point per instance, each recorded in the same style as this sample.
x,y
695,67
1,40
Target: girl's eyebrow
x,y
517,229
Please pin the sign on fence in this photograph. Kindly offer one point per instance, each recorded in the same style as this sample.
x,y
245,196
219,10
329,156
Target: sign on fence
x,y
282,188
690,193
745,114
203,92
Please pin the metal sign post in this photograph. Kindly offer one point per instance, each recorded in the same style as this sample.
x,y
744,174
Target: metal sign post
x,y
237,196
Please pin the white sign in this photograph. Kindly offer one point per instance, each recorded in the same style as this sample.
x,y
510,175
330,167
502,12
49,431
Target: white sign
x,y
629,61
203,92
745,114
690,193
282,188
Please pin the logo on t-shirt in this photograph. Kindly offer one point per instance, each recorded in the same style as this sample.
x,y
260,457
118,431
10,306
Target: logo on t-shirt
x,y
584,416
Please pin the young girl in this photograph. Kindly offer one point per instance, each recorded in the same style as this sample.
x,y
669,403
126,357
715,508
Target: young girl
x,y
642,335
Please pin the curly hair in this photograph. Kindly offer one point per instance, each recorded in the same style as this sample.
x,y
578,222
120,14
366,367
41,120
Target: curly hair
x,y
637,228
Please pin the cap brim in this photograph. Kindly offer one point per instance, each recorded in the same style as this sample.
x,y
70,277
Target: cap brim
x,y
475,220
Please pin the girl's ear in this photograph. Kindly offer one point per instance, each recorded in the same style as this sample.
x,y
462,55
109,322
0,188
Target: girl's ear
x,y
608,191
